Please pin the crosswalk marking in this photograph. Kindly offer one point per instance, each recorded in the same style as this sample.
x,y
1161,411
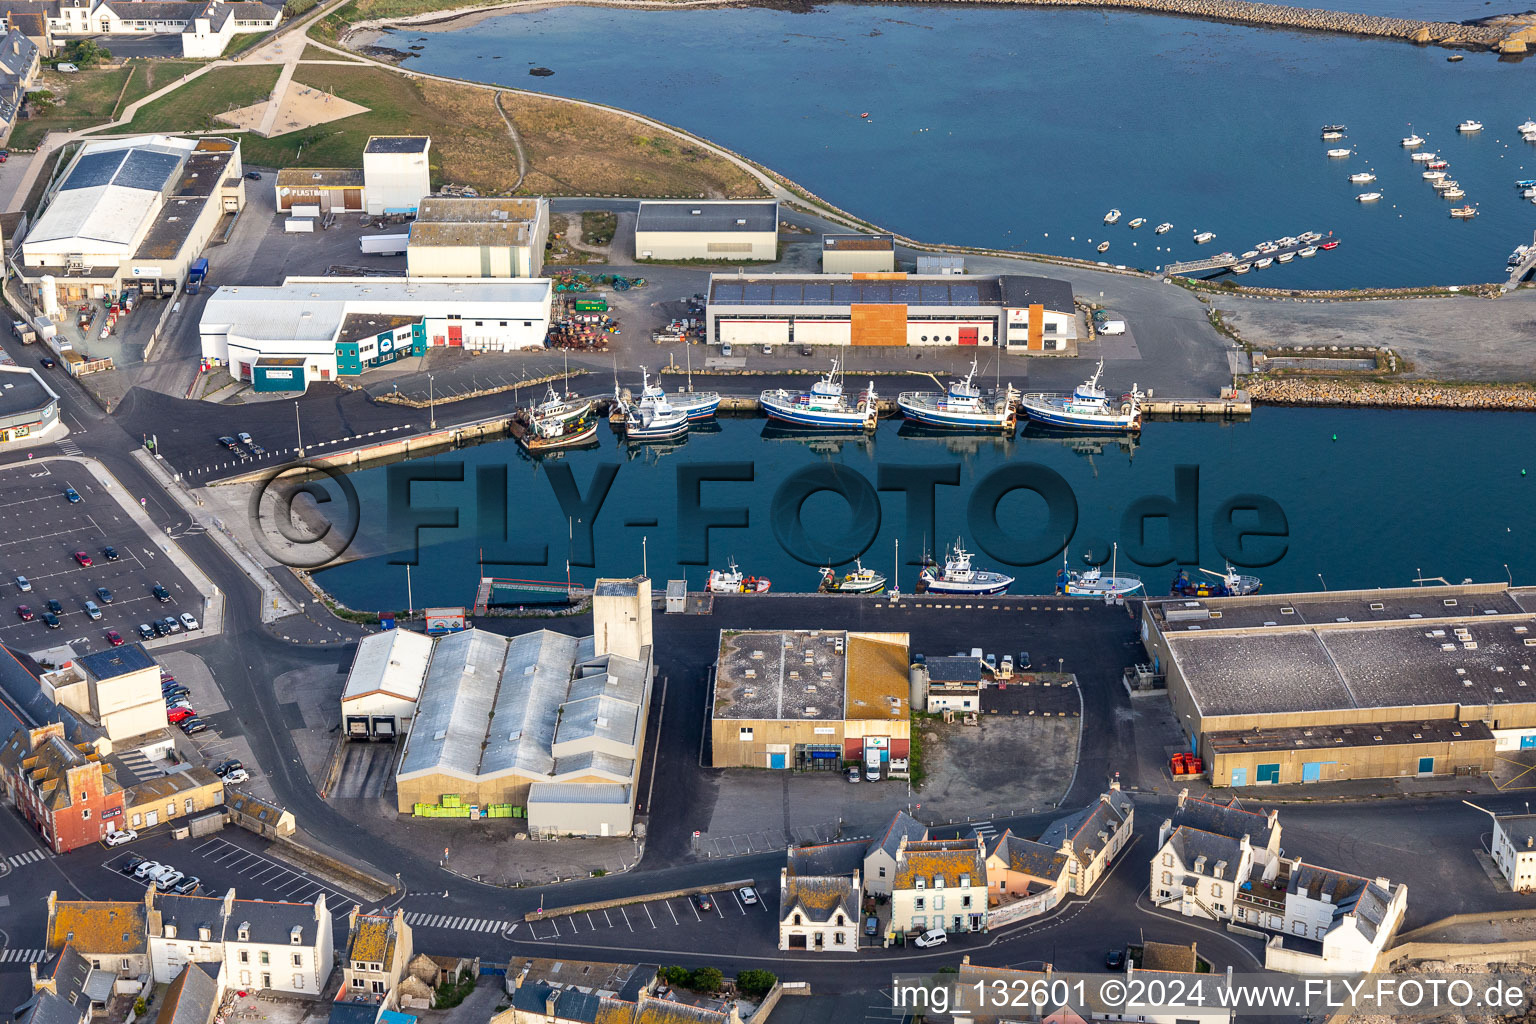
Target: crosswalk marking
x,y
986,830
449,922
23,956
30,857
69,447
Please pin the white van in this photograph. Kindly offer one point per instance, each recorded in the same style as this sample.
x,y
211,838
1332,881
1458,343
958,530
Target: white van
x,y
872,764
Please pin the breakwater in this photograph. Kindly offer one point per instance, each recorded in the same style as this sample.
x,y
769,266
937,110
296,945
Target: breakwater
x,y
1397,395
1241,12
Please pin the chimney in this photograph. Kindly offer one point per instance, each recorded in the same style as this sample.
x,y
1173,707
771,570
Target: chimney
x,y
1529,842
1183,795
1114,783
550,998
1221,870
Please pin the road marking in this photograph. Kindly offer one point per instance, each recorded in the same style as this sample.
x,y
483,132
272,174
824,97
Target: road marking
x,y
30,857
23,956
668,905
626,918
648,916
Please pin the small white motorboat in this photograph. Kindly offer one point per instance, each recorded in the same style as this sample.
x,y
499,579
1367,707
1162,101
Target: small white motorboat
x,y
1138,222
1339,152
1241,268
1464,212
1424,156
1529,193
1470,126
1412,141
1445,184
1363,178
1453,193
1111,216
1327,128
1164,228
1103,247
1527,128
1433,175
1333,135
1250,254
1368,197
1309,236
1267,261
1308,252
1204,236
1286,257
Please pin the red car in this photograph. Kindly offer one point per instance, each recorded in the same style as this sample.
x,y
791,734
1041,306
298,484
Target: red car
x,y
175,715
114,638
83,558
24,613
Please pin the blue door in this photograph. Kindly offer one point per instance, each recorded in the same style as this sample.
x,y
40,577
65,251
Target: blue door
x,y
1528,741
1312,771
1426,766
776,760
1239,776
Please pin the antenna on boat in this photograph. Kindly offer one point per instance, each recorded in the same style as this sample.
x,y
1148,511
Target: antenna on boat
x,y
896,585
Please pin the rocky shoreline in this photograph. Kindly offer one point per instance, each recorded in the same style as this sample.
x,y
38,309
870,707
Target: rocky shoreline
x,y
1403,395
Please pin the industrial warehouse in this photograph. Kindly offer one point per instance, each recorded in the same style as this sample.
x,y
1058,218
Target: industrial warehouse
x,y
130,215
1365,684
285,337
811,699
717,231
1034,314
462,237
543,724
396,173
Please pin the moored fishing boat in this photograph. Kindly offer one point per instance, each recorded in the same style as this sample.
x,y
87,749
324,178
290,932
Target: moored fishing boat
x,y
732,581
697,405
958,577
1464,212
655,419
1228,584
1086,407
544,433
1094,583
860,581
824,405
963,405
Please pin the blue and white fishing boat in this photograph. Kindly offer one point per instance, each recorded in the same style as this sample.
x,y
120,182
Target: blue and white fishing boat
x,y
1094,583
655,420
957,577
824,405
1228,584
1087,407
962,406
697,405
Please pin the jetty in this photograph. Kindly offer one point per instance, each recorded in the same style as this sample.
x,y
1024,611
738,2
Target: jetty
x,y
1519,271
1226,260
1231,404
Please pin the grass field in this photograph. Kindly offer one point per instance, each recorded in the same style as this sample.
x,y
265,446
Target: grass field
x,y
81,100
149,75
312,52
195,107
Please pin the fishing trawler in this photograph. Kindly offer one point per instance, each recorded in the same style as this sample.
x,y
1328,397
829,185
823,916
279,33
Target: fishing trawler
x,y
957,577
655,419
1094,583
696,405
1086,407
824,405
731,581
962,406
538,432
860,581
1227,584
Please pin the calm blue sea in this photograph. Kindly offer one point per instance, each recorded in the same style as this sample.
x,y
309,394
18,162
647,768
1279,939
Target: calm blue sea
x,y
1020,127
1370,498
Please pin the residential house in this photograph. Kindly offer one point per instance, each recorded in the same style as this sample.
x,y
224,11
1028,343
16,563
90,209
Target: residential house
x,y
277,946
1352,918
374,964
19,57
1024,878
32,19
954,683
193,997
880,861
63,789
110,936
174,795
1232,820
1216,861
819,911
939,883
1092,837
1514,849
546,991
60,996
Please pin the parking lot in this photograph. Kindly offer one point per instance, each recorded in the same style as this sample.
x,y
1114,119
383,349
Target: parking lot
x,y
664,924
44,530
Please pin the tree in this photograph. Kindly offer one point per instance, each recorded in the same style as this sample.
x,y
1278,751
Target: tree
x,y
706,979
676,976
755,982
85,53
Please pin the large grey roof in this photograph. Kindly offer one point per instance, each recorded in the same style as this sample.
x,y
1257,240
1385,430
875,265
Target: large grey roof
x,y
841,291
71,1005
535,681
902,826
23,394
603,717
1224,820
570,1004
577,793
1020,291
1083,827
1028,857
398,144
189,913
456,701
271,922
699,215
1191,844
842,858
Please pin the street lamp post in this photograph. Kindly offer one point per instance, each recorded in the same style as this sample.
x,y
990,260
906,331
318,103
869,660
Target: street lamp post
x,y
432,401
297,426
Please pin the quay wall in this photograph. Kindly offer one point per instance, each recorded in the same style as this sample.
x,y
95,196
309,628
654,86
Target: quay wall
x,y
1405,394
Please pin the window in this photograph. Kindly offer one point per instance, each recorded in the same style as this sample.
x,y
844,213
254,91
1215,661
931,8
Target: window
x,y
918,882
245,958
965,901
298,981
938,883
188,807
919,904
298,960
266,958
125,964
1269,773
1216,892
96,965
170,809
378,986
882,871
745,735
798,918
838,938
245,977
137,818
85,815
266,980
357,982
1167,860
938,903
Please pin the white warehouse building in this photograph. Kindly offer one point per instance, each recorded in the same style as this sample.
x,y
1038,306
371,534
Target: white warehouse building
x,y
397,172
464,237
1035,314
284,337
384,684
714,230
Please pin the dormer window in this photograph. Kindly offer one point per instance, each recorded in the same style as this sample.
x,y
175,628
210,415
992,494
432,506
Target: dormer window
x,y
204,932
917,883
938,882
170,931
245,931
965,881
296,936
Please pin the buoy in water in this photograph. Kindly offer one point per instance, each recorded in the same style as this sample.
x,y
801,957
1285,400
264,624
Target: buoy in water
x,y
1335,437
865,114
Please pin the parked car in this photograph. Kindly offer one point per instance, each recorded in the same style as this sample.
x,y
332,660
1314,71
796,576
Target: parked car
x,y
73,495
257,449
92,610
119,838
229,443
171,624
51,620
237,776
931,937
1023,665
131,864
225,767
168,879
48,362
145,869
145,632
84,559
1115,960
159,627
104,595
65,67
187,886
178,715
175,692
109,553
24,613
161,594
855,774
748,895
245,439
54,606
189,621
193,725
703,902
23,584
114,638
252,175
871,926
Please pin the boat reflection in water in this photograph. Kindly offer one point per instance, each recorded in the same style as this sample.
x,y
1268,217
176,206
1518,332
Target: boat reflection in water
x,y
1081,442
957,442
818,439
650,451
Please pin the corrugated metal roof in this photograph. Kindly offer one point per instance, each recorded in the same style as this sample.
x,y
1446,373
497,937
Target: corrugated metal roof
x,y
457,698
577,793
393,662
536,680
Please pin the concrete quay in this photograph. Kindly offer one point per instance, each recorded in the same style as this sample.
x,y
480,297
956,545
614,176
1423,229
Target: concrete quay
x,y
1406,395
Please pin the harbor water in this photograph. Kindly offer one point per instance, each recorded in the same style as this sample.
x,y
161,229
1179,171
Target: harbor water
x,y
1370,498
1019,127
